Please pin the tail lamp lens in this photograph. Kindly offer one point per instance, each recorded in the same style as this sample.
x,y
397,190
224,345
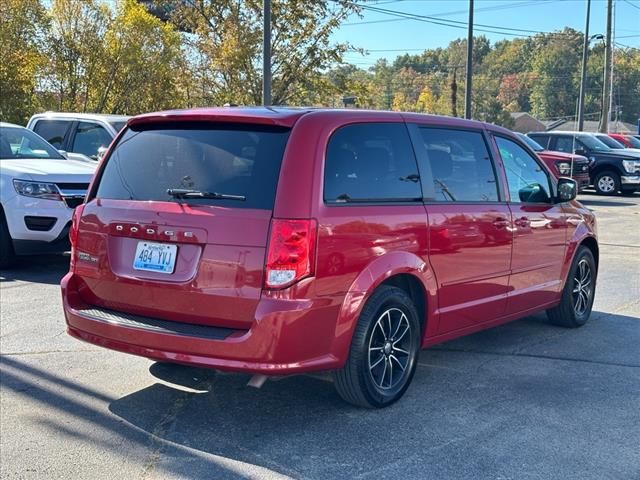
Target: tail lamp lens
x,y
75,225
291,252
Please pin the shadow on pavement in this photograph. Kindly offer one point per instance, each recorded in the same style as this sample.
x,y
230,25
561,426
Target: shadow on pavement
x,y
472,411
37,269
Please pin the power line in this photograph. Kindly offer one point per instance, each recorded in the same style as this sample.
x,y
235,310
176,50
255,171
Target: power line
x,y
458,24
634,6
445,14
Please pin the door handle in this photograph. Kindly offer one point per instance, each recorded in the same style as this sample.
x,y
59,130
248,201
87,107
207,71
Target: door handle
x,y
501,222
522,222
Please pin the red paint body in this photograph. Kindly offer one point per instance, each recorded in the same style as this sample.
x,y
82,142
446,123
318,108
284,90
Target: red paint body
x,y
623,139
474,265
580,168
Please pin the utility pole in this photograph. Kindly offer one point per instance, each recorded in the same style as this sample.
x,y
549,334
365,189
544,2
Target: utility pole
x,y
454,93
266,55
606,91
583,75
468,86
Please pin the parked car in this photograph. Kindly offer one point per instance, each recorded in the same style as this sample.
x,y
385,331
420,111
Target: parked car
x,y
282,241
616,145
611,171
84,134
38,190
628,141
562,164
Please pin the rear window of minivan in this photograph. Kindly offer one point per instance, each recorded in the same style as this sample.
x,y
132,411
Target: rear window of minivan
x,y
242,160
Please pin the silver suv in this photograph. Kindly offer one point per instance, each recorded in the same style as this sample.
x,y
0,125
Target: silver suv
x,y
81,134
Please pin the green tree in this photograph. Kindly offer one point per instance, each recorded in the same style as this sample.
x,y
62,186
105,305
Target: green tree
x,y
227,44
23,24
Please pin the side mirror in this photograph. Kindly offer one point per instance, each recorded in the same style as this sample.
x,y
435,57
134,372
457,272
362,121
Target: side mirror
x,y
567,189
63,153
580,151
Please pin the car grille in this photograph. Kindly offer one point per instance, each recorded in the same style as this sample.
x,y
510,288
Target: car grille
x,y
73,202
580,168
73,193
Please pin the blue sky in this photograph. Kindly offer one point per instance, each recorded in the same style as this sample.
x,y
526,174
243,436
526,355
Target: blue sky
x,y
377,31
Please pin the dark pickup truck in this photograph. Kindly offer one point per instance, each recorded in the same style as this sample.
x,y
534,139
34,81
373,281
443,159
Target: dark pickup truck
x,y
611,171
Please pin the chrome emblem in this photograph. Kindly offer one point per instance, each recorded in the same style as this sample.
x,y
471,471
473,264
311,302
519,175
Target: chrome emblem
x,y
134,229
119,228
150,231
168,233
188,234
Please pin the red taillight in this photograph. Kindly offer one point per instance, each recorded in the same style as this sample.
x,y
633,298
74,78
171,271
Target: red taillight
x,y
291,252
73,232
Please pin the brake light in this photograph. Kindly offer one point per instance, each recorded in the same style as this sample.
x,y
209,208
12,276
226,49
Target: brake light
x,y
73,231
291,252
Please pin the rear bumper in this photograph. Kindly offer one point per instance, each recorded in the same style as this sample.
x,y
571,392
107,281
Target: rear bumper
x,y
286,337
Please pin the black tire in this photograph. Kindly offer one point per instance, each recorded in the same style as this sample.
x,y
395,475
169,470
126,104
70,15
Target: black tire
x,y
363,384
571,312
7,255
607,183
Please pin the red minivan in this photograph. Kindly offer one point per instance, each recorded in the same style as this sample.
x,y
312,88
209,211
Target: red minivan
x,y
279,241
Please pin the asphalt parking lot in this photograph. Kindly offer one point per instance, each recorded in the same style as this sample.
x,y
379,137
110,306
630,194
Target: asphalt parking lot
x,y
522,401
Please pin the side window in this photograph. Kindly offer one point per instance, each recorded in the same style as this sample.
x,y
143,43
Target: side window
x,y
53,131
458,166
565,144
89,138
543,140
528,182
371,161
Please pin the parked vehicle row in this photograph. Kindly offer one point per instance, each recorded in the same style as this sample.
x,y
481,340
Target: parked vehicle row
x,y
611,170
83,134
39,188
280,241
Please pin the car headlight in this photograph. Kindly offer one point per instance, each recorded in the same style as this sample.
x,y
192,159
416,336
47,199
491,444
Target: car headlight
x,y
631,166
37,189
564,168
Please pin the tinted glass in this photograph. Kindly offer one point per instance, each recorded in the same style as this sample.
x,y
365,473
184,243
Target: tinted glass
x,y
243,160
610,142
117,126
18,142
52,131
593,143
89,138
458,167
541,139
635,143
528,182
535,146
566,144
371,161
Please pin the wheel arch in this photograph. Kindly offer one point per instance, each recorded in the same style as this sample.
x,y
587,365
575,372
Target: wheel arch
x,y
400,269
583,237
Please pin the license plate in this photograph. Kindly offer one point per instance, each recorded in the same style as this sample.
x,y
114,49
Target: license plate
x,y
155,257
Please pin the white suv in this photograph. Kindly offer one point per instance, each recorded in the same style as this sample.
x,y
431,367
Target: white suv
x,y
39,188
86,134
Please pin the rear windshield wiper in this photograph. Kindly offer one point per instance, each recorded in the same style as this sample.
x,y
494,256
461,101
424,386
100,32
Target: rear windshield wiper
x,y
187,193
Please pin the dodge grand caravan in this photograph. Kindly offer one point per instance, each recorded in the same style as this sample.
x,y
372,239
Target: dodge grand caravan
x,y
282,241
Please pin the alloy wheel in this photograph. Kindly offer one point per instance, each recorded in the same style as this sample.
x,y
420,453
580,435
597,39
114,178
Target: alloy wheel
x,y
606,184
582,288
390,349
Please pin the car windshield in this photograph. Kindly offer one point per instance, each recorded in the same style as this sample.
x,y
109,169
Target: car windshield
x,y
635,143
117,126
18,142
610,142
592,143
535,146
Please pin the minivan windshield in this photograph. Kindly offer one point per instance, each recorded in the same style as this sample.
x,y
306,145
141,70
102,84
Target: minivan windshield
x,y
235,166
535,146
18,142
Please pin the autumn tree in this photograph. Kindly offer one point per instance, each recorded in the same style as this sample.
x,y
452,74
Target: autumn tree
x,y
22,27
226,46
